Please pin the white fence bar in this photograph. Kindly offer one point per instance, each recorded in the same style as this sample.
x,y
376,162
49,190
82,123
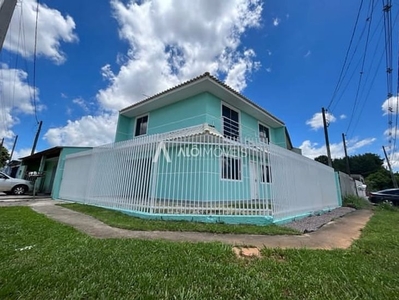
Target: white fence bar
x,y
198,172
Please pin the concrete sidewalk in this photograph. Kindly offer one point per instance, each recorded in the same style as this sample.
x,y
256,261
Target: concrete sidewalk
x,y
336,234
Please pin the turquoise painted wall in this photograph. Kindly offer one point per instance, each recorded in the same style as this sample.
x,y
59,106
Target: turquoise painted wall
x,y
60,168
185,113
200,109
199,167
278,137
123,131
48,171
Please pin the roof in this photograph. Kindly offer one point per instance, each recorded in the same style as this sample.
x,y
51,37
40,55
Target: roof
x,y
200,84
51,152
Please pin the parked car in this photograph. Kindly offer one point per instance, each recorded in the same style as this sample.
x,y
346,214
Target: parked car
x,y
389,195
14,186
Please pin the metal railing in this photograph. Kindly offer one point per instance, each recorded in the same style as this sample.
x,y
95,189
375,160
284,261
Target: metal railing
x,y
197,172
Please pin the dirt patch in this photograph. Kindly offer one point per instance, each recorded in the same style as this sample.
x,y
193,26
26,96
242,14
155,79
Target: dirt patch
x,y
246,252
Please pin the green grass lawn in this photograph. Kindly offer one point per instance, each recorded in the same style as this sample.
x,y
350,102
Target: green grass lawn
x,y
121,220
63,263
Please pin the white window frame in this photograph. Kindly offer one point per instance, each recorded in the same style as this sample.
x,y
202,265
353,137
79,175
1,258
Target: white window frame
x,y
239,117
135,124
270,132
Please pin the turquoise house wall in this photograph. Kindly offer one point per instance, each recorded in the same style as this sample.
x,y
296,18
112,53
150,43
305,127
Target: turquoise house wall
x,y
182,114
123,131
196,110
48,171
202,173
278,137
60,168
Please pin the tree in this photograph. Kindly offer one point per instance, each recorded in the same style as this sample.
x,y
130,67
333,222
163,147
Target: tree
x,y
4,156
379,180
363,164
322,159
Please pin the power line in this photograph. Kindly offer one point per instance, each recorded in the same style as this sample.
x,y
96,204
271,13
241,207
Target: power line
x,y
34,61
369,19
346,56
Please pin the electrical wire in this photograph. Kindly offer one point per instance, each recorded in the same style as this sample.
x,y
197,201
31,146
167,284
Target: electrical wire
x,y
369,19
34,62
346,56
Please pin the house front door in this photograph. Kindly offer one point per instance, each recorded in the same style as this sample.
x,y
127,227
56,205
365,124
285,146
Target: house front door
x,y
254,180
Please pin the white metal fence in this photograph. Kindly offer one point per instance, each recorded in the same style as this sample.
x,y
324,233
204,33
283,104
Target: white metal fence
x,y
197,172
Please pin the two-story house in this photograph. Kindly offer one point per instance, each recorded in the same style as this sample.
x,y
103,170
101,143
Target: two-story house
x,y
199,149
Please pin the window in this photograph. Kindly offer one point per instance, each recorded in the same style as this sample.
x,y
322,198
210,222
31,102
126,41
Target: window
x,y
141,126
231,168
231,126
264,135
266,175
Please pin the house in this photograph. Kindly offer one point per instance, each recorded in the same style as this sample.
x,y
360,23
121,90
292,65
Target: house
x,y
203,100
201,151
49,165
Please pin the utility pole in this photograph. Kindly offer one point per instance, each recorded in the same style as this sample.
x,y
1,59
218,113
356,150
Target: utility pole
x,y
36,138
348,170
6,10
13,147
395,184
323,111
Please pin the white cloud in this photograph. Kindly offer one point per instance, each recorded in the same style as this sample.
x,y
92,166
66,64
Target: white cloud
x,y
342,117
390,103
269,70
268,52
316,121
164,52
87,131
313,150
81,103
307,54
276,21
53,28
16,98
21,153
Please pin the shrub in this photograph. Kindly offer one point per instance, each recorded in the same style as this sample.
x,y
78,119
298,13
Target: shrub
x,y
356,202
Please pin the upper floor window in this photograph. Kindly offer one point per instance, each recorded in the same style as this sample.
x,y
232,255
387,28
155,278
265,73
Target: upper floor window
x,y
141,126
264,134
231,126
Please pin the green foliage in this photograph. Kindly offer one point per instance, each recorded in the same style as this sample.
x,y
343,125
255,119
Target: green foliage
x,y
121,220
322,159
363,164
356,202
63,263
379,180
4,156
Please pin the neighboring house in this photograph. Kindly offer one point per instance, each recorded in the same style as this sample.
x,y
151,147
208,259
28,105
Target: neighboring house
x,y
202,151
49,164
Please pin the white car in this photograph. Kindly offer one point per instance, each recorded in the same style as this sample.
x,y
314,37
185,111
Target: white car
x,y
14,186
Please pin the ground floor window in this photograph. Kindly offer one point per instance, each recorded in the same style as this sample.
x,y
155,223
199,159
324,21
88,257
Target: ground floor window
x,y
266,175
231,168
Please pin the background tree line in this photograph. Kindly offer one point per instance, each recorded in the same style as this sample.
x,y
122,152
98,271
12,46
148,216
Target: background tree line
x,y
369,165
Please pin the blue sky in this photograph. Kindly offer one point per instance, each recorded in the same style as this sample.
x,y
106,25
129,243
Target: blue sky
x,y
96,57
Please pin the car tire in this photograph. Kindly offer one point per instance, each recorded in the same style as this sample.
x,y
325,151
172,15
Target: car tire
x,y
19,190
